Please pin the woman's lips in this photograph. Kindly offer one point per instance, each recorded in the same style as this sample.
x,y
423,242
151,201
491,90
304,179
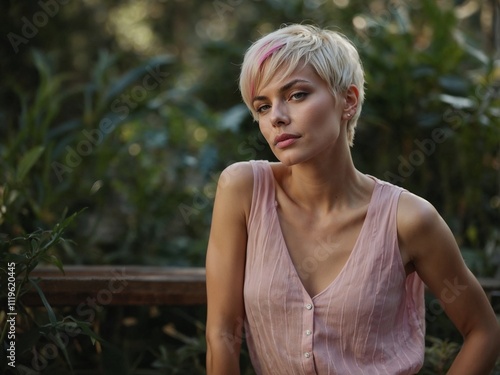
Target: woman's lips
x,y
285,140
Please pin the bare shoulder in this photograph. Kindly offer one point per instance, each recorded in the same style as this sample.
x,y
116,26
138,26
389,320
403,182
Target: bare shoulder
x,y
235,185
423,234
415,215
237,175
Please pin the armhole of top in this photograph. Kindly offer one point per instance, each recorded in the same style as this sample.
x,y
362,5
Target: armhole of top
x,y
399,192
263,188
413,284
255,192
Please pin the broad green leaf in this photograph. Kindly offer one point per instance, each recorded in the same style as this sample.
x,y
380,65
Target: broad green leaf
x,y
104,61
471,50
454,85
67,221
234,117
12,196
28,161
57,262
64,128
85,327
133,75
42,65
457,101
52,259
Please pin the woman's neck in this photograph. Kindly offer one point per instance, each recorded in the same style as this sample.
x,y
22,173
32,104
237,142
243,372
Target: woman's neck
x,y
321,186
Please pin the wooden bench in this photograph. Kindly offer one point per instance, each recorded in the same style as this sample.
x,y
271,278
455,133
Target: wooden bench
x,y
119,285
136,285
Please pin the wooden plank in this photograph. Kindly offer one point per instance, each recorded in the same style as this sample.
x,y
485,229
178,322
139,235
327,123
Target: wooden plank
x,y
95,286
119,285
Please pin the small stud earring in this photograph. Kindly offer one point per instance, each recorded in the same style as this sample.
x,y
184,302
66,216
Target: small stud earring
x,y
348,115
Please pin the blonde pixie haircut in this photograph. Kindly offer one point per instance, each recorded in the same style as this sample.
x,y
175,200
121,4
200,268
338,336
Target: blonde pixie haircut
x,y
331,55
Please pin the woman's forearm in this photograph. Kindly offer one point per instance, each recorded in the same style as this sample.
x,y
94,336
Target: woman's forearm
x,y
478,354
222,358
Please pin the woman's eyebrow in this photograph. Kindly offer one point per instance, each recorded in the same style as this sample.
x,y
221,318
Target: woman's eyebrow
x,y
283,88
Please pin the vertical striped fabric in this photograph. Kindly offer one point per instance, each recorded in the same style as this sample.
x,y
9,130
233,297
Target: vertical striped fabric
x,y
369,320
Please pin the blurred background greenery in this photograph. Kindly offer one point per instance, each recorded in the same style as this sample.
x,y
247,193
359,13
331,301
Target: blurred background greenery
x,y
131,109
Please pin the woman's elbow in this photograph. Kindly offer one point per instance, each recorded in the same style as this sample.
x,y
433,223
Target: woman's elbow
x,y
220,340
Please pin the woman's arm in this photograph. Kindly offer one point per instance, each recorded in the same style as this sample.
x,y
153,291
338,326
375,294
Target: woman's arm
x,y
427,240
225,266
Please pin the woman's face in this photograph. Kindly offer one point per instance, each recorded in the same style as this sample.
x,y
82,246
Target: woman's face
x,y
299,116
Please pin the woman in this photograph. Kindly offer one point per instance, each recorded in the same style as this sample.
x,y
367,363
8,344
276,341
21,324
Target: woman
x,y
322,266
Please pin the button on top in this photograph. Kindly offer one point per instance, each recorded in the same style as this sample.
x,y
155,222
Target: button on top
x,y
307,355
309,306
308,332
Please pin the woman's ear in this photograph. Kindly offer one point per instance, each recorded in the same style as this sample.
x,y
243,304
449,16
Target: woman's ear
x,y
351,102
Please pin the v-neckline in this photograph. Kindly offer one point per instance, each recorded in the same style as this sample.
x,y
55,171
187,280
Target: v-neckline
x,y
351,255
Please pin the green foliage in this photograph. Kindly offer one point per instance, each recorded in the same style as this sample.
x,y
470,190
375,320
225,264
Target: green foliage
x,y
18,258
439,356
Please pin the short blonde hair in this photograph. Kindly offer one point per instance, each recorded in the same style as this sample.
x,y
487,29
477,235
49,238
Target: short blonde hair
x,y
331,54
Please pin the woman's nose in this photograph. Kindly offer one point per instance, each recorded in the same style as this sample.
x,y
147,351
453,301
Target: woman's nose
x,y
279,115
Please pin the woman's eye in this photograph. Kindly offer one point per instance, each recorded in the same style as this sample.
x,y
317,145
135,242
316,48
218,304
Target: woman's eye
x,y
262,108
299,95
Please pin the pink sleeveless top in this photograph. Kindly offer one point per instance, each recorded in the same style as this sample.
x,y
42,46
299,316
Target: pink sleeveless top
x,y
369,320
